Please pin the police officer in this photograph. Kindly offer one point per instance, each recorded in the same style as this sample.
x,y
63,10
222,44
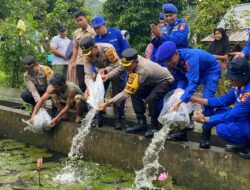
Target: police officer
x,y
195,67
109,35
113,36
35,78
104,57
177,29
146,80
232,124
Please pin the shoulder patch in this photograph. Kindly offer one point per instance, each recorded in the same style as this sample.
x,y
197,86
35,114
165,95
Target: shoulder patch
x,y
112,55
244,97
182,26
48,71
132,83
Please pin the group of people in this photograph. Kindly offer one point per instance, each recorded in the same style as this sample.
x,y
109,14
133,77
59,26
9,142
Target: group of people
x,y
169,64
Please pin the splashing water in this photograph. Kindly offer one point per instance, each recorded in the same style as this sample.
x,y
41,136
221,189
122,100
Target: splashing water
x,y
70,173
83,131
146,175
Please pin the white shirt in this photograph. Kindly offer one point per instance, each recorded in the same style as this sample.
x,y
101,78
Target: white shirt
x,y
61,44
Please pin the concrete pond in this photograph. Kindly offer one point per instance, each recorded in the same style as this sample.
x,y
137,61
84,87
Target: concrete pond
x,y
111,157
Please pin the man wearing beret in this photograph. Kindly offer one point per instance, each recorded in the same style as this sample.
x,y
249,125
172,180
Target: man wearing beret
x,y
146,80
232,124
177,29
104,57
36,79
196,67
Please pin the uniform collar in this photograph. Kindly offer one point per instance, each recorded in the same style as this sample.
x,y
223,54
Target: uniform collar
x,y
108,32
243,88
89,29
176,22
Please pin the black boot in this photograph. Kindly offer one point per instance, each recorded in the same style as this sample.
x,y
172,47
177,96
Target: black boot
x,y
153,128
117,123
140,126
98,120
178,136
237,148
234,148
205,138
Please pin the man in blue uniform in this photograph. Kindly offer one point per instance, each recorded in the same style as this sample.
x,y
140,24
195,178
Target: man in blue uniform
x,y
112,36
232,124
109,35
195,67
177,29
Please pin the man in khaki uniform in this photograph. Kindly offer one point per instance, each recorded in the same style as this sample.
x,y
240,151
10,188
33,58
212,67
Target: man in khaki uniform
x,y
146,80
104,57
79,34
35,78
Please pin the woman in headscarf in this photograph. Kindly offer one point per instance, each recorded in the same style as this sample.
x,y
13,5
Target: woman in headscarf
x,y
220,47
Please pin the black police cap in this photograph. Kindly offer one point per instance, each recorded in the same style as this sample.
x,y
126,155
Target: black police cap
x,y
238,69
29,60
61,28
130,54
87,43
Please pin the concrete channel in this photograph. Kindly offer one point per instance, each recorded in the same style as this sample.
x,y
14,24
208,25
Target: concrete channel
x,y
190,166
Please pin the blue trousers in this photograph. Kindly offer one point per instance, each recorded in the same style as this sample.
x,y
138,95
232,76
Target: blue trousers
x,y
237,132
210,82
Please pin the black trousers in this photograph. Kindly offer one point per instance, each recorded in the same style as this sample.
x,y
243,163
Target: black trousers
x,y
153,94
117,87
80,77
28,98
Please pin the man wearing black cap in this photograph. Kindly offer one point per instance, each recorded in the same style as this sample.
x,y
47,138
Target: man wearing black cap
x,y
232,124
35,78
58,46
146,80
104,57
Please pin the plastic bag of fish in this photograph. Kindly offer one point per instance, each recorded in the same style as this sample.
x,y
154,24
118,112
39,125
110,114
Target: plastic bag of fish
x,y
180,119
41,122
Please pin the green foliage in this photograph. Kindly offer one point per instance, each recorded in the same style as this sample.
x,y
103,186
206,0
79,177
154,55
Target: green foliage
x,y
41,18
207,15
136,16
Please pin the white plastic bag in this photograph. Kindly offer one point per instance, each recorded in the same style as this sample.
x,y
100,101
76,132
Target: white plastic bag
x,y
96,91
41,122
180,119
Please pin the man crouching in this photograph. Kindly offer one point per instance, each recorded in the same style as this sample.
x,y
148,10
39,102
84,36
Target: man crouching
x,y
63,95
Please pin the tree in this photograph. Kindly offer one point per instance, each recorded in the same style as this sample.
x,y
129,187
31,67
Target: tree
x,y
206,17
136,16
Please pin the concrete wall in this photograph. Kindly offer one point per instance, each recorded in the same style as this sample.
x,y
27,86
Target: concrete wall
x,y
189,165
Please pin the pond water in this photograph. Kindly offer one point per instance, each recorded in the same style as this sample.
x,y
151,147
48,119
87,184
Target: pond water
x,y
18,170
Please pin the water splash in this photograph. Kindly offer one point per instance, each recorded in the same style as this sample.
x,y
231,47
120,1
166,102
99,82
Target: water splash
x,y
146,175
70,173
83,131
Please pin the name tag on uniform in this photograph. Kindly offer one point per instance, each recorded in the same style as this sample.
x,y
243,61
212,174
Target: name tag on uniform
x,y
175,28
113,40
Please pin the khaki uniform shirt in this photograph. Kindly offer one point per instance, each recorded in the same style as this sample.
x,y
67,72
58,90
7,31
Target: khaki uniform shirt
x,y
40,79
79,34
149,73
107,59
